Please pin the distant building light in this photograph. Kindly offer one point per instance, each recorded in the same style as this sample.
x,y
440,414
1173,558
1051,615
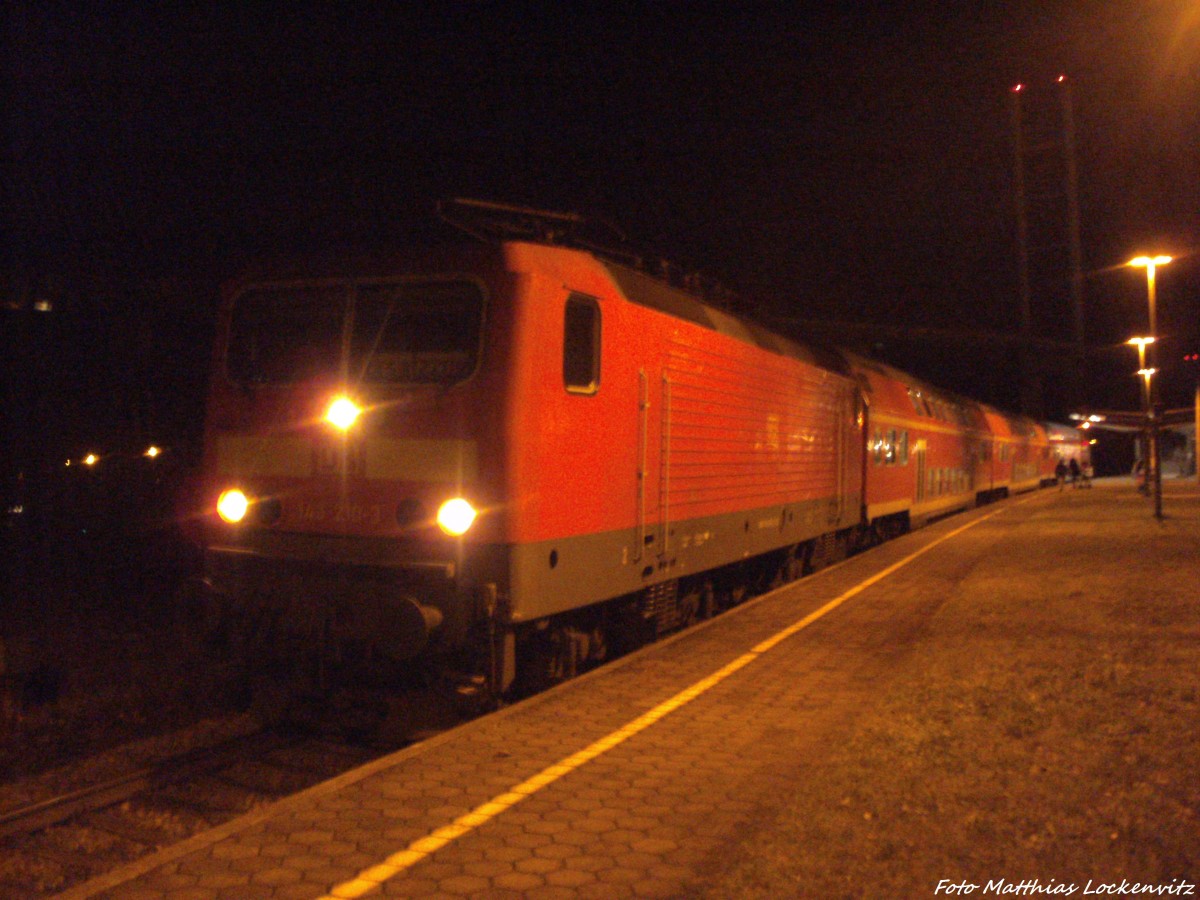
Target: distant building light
x,y
43,305
152,451
91,459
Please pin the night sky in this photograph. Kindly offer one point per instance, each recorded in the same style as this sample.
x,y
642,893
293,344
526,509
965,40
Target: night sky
x,y
826,162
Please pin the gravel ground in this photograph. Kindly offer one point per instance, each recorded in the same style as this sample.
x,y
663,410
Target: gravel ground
x,y
96,654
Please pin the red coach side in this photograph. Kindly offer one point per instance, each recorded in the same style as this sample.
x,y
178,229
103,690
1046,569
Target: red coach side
x,y
924,448
1020,452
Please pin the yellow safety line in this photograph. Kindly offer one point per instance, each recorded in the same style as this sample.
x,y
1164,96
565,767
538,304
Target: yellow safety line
x,y
371,878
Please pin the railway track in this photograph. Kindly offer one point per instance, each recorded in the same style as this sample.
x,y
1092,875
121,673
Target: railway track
x,y
62,841
43,814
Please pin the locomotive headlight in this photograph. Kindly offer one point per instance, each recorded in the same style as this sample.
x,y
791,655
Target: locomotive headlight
x,y
342,413
456,516
232,506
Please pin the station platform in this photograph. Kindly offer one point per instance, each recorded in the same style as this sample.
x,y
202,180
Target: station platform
x,y
660,774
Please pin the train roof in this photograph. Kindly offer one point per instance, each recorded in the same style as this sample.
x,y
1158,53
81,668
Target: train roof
x,y
653,293
506,224
627,273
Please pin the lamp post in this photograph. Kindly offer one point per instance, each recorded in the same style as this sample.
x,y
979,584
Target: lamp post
x,y
1147,374
1140,343
1150,264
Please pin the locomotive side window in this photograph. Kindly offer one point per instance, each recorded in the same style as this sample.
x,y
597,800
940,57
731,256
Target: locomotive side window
x,y
581,345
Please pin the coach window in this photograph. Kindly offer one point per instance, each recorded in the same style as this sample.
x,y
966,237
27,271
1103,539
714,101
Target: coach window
x,y
581,345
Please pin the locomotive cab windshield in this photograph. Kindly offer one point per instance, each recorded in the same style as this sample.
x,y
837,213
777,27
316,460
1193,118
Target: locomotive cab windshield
x,y
424,332
343,457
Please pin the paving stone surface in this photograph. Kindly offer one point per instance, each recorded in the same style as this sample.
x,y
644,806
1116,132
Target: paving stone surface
x,y
646,817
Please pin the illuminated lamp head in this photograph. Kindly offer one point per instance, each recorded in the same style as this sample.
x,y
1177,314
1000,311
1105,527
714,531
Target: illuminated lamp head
x,y
232,506
342,413
455,517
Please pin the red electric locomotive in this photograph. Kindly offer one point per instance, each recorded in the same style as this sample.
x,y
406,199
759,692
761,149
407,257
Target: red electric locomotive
x,y
512,455
511,452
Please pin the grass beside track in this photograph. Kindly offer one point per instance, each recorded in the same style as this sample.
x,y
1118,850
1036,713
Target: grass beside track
x,y
1044,728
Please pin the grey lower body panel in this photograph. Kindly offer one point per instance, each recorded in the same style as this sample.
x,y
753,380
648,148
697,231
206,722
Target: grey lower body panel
x,y
551,577
363,589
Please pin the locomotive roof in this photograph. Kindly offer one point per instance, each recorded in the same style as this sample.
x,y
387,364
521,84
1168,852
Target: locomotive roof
x,y
654,293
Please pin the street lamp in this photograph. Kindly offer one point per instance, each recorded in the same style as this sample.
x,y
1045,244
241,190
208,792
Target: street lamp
x,y
1150,437
1140,343
1147,374
1150,263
